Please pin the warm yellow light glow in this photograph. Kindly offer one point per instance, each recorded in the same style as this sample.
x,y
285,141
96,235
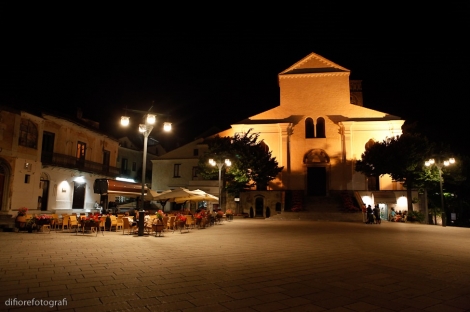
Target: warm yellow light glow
x,y
151,118
431,161
427,163
142,128
367,200
452,160
167,126
79,179
212,162
402,203
228,162
124,121
446,163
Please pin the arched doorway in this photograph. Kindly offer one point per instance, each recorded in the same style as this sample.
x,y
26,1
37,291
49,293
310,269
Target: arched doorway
x,y
259,207
5,173
44,200
316,162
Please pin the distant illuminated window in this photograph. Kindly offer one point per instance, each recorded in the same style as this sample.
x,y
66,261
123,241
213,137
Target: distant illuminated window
x,y
195,172
28,134
176,171
309,128
321,127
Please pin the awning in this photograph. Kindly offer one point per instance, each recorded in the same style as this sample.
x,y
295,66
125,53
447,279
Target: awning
x,y
121,188
384,197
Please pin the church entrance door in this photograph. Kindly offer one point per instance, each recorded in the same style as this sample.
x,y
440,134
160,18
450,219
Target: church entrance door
x,y
316,181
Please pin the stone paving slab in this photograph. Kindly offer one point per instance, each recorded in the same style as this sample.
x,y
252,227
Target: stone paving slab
x,y
244,265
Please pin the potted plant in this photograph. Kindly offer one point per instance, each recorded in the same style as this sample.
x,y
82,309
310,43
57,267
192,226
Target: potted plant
x,y
20,220
229,214
180,220
93,221
30,225
159,216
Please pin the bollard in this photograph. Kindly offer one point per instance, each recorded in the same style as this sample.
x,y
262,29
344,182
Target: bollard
x,y
444,221
141,223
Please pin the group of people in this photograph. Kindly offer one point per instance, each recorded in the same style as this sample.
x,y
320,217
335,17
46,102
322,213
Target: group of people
x,y
371,216
397,216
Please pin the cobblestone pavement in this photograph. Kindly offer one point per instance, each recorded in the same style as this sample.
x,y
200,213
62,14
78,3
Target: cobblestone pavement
x,y
244,265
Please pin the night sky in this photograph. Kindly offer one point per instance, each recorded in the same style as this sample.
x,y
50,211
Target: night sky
x,y
420,73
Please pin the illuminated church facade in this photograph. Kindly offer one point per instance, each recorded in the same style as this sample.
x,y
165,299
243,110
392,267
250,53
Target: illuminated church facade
x,y
317,133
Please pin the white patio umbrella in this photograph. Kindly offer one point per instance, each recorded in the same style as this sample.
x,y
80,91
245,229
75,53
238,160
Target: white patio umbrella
x,y
183,194
198,195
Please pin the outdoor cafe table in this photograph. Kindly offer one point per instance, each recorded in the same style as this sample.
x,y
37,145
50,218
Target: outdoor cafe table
x,y
90,226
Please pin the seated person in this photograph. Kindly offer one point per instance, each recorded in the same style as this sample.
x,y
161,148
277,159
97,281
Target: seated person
x,y
393,215
147,220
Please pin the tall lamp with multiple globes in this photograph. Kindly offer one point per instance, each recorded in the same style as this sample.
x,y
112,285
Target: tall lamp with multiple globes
x,y
220,164
440,164
145,128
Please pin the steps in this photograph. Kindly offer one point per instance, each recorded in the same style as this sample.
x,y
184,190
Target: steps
x,y
321,208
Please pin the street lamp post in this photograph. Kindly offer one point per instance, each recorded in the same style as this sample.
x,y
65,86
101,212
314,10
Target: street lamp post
x,y
440,164
220,164
145,128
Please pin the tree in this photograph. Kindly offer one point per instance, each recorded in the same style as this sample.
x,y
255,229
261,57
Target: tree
x,y
252,162
402,157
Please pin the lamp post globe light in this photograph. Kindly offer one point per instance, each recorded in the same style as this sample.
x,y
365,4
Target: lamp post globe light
x,y
220,164
440,164
145,128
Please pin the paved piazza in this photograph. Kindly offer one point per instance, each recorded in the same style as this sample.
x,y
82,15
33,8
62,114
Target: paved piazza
x,y
244,265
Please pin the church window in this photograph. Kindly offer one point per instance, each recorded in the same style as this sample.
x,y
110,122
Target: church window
x,y
309,128
321,128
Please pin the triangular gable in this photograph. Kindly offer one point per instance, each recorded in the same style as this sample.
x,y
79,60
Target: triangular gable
x,y
313,63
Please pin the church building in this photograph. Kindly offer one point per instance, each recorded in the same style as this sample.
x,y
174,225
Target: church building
x,y
317,133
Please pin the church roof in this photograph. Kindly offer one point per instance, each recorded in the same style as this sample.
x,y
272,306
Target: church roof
x,y
314,64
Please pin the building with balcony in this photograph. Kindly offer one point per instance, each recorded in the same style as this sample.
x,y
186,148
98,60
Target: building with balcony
x,y
74,154
49,163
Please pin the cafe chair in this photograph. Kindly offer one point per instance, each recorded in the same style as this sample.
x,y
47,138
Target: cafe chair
x,y
113,223
190,222
55,221
65,222
172,223
73,222
102,223
119,224
45,227
127,226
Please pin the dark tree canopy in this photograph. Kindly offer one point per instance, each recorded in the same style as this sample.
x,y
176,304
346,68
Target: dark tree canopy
x,y
252,163
402,157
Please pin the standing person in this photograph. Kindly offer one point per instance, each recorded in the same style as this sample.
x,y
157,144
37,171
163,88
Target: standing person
x,y
364,213
377,214
370,216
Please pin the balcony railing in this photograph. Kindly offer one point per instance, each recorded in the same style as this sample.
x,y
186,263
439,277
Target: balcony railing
x,y
71,162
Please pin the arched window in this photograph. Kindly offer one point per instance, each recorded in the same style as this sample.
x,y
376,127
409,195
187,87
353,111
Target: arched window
x,y
321,127
309,128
